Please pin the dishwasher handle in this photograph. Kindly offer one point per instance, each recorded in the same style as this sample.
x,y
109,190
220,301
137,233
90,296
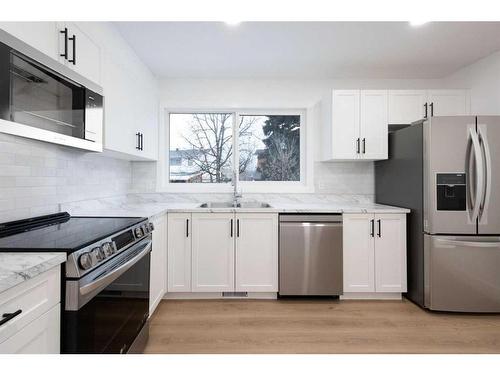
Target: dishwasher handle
x,y
312,218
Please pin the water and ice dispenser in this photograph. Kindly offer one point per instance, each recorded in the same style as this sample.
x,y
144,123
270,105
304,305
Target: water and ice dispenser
x,y
451,191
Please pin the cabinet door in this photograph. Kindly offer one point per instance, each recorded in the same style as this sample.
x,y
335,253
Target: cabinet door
x,y
390,253
449,102
213,252
41,35
256,252
359,261
373,124
345,124
406,106
85,53
179,252
158,275
41,336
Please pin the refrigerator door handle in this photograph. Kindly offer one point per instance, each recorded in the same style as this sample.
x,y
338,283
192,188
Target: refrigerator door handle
x,y
483,139
446,241
479,170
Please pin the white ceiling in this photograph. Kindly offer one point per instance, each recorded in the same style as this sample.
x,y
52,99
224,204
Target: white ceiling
x,y
309,49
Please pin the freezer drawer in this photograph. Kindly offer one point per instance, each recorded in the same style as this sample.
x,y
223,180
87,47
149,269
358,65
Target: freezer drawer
x,y
462,273
310,255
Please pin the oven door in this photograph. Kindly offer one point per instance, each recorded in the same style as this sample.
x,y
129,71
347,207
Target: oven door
x,y
107,309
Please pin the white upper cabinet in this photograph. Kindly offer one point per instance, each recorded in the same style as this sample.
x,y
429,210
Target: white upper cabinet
x,y
41,35
179,252
448,102
355,125
213,252
256,252
344,123
79,52
406,106
373,124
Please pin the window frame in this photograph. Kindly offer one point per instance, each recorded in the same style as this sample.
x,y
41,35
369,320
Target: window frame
x,y
301,186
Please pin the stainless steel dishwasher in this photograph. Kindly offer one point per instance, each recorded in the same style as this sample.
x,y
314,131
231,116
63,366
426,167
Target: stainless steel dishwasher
x,y
310,255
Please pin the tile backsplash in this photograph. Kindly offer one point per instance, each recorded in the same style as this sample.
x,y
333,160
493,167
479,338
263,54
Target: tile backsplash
x,y
36,177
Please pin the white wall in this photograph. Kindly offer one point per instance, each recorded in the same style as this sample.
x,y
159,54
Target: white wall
x,y
333,178
483,79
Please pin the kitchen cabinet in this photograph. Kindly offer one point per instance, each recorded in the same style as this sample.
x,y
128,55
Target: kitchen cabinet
x,y
158,272
374,247
448,102
35,327
179,252
223,252
213,252
79,52
355,125
256,255
406,106
41,35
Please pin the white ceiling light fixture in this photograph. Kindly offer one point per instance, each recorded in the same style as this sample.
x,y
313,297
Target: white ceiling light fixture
x,y
233,23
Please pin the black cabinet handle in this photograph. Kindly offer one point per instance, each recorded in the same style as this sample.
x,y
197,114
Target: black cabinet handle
x,y
379,228
372,232
237,227
425,108
142,142
65,33
187,227
231,228
364,145
73,39
432,109
138,143
357,146
9,316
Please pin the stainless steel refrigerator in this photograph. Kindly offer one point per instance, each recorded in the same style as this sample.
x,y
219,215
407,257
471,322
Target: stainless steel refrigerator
x,y
447,171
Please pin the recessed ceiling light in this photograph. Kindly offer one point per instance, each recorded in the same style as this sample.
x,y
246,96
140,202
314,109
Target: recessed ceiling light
x,y
416,23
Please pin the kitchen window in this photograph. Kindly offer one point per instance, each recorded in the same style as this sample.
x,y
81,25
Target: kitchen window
x,y
262,147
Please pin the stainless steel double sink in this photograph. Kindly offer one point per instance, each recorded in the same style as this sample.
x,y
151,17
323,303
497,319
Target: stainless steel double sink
x,y
233,205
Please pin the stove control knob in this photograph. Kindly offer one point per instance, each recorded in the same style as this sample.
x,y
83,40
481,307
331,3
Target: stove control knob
x,y
151,227
138,232
85,261
145,228
98,253
108,249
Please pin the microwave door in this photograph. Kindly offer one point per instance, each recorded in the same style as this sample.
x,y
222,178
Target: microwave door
x,y
451,159
489,133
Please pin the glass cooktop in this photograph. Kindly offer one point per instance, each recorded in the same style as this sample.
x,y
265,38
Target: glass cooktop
x,y
60,232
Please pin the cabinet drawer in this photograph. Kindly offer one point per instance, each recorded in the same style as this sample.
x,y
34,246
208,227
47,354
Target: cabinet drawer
x,y
33,297
41,336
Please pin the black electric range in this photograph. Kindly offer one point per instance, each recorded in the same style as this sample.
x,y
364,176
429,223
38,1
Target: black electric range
x,y
105,280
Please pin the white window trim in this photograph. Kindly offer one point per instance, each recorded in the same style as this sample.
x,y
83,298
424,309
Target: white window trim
x,y
305,185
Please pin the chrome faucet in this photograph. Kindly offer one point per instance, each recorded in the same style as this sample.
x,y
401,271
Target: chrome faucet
x,y
236,195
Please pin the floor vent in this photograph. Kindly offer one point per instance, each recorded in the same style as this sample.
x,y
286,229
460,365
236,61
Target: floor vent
x,y
235,294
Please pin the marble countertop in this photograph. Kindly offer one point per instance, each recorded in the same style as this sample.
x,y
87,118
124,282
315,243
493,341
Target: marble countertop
x,y
153,210
16,268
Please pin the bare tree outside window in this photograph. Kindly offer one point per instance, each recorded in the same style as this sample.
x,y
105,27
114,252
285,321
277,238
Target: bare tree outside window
x,y
274,141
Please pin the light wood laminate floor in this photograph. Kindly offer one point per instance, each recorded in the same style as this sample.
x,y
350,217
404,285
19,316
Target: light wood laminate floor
x,y
316,326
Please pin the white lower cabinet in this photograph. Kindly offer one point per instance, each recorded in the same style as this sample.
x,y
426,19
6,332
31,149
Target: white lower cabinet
x,y
222,252
374,253
179,252
213,252
36,326
158,275
256,253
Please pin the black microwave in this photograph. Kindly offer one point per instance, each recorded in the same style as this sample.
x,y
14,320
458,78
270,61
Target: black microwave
x,y
45,100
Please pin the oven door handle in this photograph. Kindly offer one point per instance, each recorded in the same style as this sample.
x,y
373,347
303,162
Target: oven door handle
x,y
115,272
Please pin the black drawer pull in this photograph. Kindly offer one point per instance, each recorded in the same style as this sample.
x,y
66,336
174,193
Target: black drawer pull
x,y
9,316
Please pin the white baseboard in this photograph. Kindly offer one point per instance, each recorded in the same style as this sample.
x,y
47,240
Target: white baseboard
x,y
368,296
217,295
